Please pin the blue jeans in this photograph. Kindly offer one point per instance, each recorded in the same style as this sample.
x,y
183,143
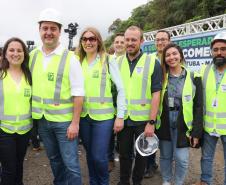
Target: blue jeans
x,y
169,153
62,153
208,150
95,137
111,149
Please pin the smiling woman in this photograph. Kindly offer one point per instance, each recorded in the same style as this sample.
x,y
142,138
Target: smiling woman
x,y
180,113
97,117
15,113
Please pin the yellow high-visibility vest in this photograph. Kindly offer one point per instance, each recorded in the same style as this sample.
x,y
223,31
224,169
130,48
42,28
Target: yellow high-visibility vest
x,y
51,90
15,105
188,94
98,102
214,102
137,87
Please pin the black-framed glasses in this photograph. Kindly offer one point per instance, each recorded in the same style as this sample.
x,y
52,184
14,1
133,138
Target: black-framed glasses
x,y
90,39
161,39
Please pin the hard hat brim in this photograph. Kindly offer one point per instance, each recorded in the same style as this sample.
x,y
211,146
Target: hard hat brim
x,y
154,140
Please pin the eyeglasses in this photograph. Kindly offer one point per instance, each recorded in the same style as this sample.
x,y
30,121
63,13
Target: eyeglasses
x,y
161,39
222,49
90,39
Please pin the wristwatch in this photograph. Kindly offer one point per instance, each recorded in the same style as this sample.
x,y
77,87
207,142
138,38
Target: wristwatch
x,y
151,122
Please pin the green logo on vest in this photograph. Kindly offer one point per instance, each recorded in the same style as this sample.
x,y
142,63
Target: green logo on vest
x,y
50,76
27,93
95,74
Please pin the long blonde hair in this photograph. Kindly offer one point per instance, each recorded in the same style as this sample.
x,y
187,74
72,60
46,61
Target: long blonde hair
x,y
100,47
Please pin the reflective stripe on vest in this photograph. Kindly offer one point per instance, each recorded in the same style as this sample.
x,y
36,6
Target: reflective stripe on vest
x,y
33,61
218,125
56,99
206,72
99,111
13,129
53,112
50,101
99,99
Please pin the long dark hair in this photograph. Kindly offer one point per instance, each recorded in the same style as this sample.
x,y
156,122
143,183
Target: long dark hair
x,y
24,66
165,67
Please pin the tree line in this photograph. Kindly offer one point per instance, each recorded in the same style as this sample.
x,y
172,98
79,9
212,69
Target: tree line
x,y
158,14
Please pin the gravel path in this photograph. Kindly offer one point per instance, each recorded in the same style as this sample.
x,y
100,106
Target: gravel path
x,y
37,170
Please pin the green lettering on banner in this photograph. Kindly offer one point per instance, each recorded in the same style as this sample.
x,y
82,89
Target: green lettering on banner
x,y
189,42
209,39
204,41
199,42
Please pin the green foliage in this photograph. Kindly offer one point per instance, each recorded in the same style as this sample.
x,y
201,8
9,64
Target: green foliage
x,y
158,14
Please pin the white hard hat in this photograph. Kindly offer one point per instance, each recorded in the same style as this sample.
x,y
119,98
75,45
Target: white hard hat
x,y
51,15
146,145
219,37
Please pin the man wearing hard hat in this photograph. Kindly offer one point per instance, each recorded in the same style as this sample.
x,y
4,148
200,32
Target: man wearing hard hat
x,y
214,89
57,99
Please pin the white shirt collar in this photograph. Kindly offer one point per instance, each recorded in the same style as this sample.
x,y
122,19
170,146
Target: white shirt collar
x,y
57,51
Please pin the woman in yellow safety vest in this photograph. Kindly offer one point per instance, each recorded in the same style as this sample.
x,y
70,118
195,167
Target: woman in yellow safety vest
x,y
15,113
97,117
181,118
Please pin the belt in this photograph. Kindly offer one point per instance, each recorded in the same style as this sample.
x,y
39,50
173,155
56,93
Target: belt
x,y
174,108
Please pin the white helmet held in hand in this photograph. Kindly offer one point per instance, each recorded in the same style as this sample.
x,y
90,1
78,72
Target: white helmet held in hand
x,y
219,37
50,15
146,145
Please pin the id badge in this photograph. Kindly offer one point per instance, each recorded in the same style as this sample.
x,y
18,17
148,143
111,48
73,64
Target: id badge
x,y
171,101
223,87
215,102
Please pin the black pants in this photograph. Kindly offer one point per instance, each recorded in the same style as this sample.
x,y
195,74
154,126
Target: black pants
x,y
126,144
12,152
34,134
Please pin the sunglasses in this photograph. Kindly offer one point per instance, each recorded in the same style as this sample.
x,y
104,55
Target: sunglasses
x,y
90,39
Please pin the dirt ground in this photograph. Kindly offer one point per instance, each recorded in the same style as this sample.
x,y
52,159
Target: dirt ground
x,y
37,170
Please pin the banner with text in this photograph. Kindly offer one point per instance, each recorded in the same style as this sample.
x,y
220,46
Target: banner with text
x,y
196,48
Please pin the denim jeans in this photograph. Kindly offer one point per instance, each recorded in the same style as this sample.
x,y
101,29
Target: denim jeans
x,y
169,153
111,149
95,137
12,152
62,153
208,150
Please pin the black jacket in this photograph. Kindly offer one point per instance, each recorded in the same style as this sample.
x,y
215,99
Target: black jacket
x,y
163,132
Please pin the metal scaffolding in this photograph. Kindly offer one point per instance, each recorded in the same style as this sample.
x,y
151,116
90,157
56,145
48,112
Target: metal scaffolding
x,y
201,26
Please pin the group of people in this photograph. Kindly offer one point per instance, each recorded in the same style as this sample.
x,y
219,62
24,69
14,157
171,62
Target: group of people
x,y
69,95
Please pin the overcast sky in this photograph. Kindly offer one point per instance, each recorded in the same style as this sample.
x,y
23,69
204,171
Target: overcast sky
x,y
19,17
